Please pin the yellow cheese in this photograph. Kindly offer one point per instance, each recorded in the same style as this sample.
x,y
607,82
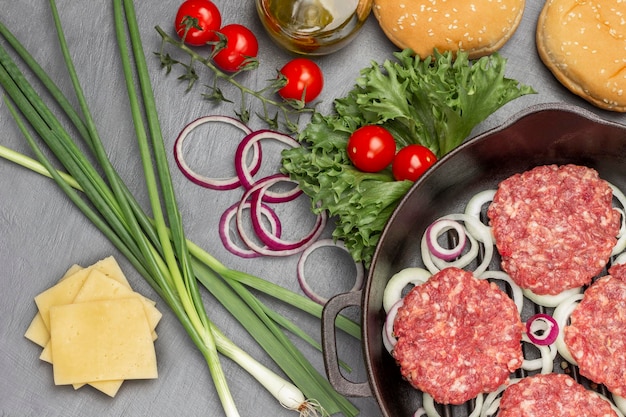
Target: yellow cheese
x,y
101,341
37,332
98,286
71,271
46,353
100,281
65,291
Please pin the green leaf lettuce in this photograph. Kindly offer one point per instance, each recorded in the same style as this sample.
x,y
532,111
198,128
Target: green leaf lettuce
x,y
435,102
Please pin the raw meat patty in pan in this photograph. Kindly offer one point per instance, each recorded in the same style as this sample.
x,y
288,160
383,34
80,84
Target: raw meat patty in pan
x,y
458,336
554,226
559,395
596,337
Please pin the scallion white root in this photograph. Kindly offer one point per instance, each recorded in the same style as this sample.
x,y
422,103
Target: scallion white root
x,y
287,394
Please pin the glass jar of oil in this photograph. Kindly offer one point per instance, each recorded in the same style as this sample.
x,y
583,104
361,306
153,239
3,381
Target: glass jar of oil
x,y
313,27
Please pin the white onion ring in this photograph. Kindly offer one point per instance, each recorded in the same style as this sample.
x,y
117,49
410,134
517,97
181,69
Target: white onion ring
x,y
304,285
439,227
620,259
397,283
620,404
420,412
275,245
224,231
435,264
545,362
548,300
428,404
518,296
483,235
561,315
492,401
389,340
474,208
213,183
245,174
546,324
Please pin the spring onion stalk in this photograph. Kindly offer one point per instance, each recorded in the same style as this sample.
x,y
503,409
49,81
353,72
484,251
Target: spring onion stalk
x,y
160,252
255,282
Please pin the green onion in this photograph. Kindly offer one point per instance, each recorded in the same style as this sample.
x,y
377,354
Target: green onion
x,y
157,246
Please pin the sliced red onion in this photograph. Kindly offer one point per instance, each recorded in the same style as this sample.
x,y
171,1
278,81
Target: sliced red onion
x,y
224,229
439,227
273,242
214,183
306,288
279,247
245,173
542,329
434,264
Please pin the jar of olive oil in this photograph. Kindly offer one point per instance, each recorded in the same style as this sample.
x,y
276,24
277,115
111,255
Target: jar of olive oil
x,y
313,27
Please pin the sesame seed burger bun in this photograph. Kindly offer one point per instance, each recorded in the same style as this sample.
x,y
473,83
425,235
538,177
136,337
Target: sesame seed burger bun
x,y
583,43
478,27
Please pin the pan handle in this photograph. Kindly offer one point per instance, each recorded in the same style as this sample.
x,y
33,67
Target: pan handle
x,y
329,342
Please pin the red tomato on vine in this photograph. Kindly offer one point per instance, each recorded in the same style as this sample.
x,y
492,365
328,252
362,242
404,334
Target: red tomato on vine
x,y
304,80
241,44
207,18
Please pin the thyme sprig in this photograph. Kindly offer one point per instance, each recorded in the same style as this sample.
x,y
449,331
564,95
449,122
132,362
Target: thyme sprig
x,y
277,113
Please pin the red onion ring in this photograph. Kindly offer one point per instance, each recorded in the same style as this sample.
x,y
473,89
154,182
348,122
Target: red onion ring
x,y
436,229
278,246
269,238
214,183
224,231
304,285
546,325
245,174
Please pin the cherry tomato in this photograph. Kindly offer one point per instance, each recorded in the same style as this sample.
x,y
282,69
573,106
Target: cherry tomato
x,y
304,80
371,148
411,162
240,45
209,19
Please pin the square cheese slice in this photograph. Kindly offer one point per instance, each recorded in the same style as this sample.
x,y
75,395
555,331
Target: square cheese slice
x,y
37,332
66,289
99,286
101,341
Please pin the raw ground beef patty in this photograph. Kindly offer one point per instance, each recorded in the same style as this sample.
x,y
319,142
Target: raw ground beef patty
x,y
458,336
547,395
554,227
596,337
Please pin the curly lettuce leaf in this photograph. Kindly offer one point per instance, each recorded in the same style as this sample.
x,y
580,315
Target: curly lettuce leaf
x,y
434,102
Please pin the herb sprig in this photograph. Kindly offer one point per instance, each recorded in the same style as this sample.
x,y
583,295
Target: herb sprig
x,y
277,113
